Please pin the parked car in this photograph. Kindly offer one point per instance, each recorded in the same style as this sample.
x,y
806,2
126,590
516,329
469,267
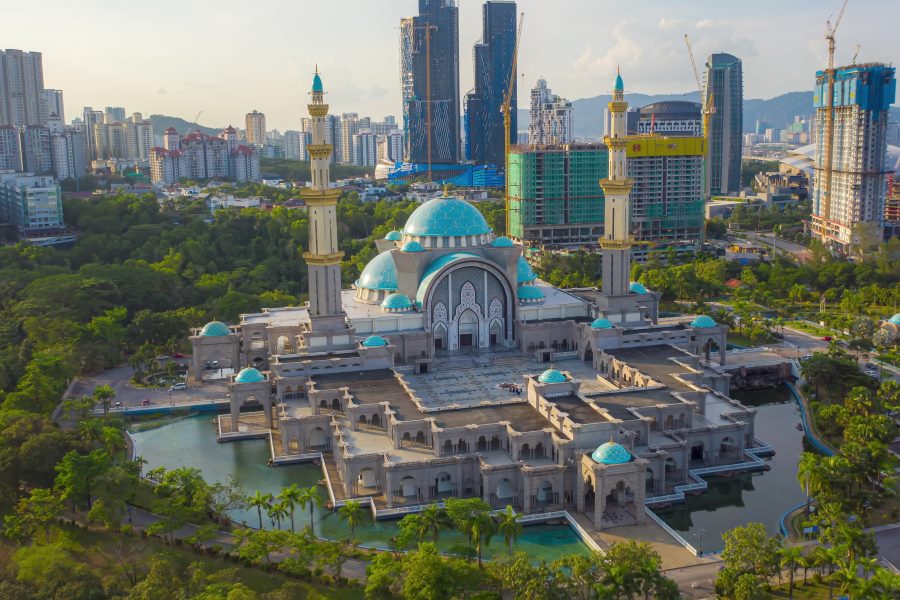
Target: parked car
x,y
178,355
178,386
162,357
827,338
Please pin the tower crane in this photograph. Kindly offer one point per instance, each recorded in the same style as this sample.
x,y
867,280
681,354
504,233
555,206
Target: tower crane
x,y
828,133
196,119
506,109
707,104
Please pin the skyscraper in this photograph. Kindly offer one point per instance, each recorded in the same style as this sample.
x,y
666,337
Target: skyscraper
x,y
114,114
21,88
725,82
551,117
493,57
53,105
91,118
849,175
429,79
255,125
291,147
138,137
10,148
349,127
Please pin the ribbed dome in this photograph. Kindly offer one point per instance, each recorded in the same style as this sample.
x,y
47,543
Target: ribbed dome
x,y
530,292
602,324
525,274
446,216
396,302
215,329
393,236
552,376
249,375
412,247
895,319
703,322
611,453
374,341
379,274
636,288
502,242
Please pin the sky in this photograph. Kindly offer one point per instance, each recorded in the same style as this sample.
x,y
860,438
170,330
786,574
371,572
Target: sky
x,y
226,58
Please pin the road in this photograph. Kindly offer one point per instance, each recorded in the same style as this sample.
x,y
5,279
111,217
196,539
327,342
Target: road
x,y
798,251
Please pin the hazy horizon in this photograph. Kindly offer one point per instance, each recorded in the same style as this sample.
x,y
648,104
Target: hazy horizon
x,y
180,58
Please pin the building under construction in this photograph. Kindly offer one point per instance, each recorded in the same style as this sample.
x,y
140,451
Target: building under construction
x,y
849,177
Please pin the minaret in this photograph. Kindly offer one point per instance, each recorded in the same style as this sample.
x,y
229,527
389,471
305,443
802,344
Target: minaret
x,y
323,258
616,240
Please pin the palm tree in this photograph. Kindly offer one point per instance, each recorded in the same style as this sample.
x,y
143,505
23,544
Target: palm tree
x,y
113,441
885,585
869,565
482,528
291,497
310,496
790,555
277,512
352,512
845,575
809,473
104,394
805,563
433,519
90,430
258,500
140,461
509,527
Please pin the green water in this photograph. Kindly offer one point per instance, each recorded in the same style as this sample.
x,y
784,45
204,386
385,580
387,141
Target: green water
x,y
192,442
761,496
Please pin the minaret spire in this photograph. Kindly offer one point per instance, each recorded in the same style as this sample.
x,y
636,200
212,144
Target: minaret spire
x,y
616,240
323,259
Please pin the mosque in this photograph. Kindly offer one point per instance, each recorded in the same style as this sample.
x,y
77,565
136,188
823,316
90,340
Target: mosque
x,y
451,369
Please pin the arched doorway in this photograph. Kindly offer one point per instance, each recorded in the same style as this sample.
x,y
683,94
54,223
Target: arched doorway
x,y
443,484
544,493
649,481
697,452
408,487
468,329
367,480
440,336
505,489
496,332
317,438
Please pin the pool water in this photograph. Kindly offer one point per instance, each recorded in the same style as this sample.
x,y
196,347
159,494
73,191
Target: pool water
x,y
761,496
192,442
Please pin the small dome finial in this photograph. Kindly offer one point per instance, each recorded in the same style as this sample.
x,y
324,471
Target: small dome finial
x,y
446,190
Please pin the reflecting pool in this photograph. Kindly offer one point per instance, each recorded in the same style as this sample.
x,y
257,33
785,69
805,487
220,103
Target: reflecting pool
x,y
761,496
191,442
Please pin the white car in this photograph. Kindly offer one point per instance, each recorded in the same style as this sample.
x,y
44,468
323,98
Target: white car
x,y
178,386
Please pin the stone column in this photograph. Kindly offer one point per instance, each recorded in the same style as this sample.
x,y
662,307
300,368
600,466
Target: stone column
x,y
526,494
599,502
235,404
389,487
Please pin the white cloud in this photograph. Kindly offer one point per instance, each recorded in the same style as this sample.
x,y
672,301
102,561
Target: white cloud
x,y
667,23
705,24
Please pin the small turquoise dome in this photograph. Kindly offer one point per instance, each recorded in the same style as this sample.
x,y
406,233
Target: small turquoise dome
x,y
602,324
525,272
620,85
317,83
249,375
502,242
703,321
374,341
552,376
412,246
530,292
895,319
393,236
396,302
215,329
636,288
379,274
446,216
611,453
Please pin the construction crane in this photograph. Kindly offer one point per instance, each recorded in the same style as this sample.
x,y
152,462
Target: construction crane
x,y
506,109
828,133
855,54
708,108
196,119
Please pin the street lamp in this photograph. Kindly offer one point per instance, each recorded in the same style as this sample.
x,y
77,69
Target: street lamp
x,y
699,536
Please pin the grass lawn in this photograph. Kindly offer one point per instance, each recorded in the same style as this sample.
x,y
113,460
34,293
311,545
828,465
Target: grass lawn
x,y
811,590
739,339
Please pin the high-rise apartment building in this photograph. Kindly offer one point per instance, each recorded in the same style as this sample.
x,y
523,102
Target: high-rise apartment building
x,y
551,117
21,88
390,146
36,154
138,137
849,176
31,203
429,81
291,146
10,148
364,148
350,125
555,199
672,118
255,125
53,105
725,83
91,118
199,156
114,114
493,57
68,153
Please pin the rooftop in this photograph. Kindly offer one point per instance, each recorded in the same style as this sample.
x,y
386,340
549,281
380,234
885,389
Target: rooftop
x,y
654,361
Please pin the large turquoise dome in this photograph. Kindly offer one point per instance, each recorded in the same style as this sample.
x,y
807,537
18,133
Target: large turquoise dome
x,y
446,216
530,294
552,376
249,375
602,324
611,453
215,329
524,271
374,341
379,274
703,322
